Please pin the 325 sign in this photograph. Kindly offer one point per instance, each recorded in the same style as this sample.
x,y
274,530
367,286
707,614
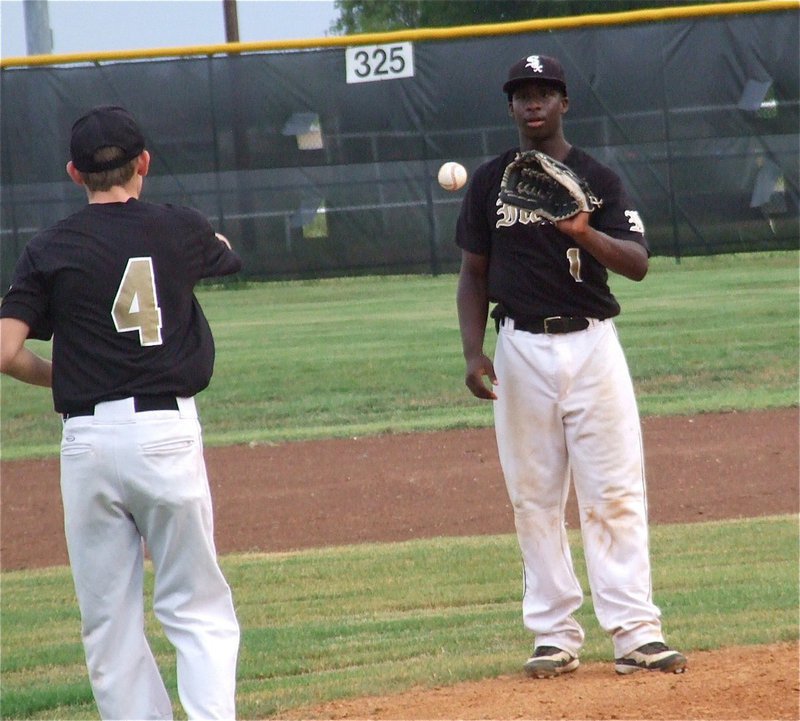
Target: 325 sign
x,y
370,63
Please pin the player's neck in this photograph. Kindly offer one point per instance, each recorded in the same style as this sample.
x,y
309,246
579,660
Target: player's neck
x,y
556,147
117,194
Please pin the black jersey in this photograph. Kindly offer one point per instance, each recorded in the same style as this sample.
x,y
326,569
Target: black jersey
x,y
535,270
113,285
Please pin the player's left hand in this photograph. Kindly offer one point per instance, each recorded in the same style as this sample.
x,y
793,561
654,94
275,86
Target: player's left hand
x,y
551,190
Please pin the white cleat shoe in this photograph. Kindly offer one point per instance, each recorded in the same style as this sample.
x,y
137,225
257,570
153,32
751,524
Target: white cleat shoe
x,y
655,656
550,661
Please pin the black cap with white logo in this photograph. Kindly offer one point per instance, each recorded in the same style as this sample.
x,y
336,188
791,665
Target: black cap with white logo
x,y
536,67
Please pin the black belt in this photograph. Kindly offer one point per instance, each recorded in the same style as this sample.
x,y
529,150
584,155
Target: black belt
x,y
553,324
140,404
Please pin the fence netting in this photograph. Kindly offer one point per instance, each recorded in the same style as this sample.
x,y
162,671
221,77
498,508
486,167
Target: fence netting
x,y
323,162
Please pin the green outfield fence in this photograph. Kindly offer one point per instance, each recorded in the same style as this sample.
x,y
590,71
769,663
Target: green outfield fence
x,y
318,157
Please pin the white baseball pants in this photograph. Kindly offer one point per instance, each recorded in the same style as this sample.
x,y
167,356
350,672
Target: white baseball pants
x,y
130,479
565,411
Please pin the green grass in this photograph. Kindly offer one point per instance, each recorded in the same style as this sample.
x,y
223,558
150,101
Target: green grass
x,y
339,622
357,356
373,355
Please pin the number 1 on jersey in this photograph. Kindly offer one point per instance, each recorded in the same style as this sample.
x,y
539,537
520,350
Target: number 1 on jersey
x,y
574,258
136,305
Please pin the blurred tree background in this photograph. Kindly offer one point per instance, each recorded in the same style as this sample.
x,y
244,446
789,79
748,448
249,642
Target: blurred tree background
x,y
369,16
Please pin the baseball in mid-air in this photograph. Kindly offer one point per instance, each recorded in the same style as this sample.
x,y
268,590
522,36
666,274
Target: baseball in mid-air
x,y
452,176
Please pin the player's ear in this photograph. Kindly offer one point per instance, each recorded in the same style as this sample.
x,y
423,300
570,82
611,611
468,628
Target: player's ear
x,y
74,174
564,104
143,163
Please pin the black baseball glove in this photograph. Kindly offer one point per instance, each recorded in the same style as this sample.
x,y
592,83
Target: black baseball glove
x,y
536,182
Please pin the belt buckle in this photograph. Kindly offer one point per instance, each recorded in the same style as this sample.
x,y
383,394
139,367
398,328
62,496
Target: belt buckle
x,y
554,319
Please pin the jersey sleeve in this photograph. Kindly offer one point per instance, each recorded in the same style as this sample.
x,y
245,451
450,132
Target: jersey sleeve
x,y
210,257
219,258
27,298
617,216
473,233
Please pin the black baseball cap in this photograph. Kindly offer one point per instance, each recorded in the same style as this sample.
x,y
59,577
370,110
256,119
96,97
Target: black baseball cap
x,y
535,67
104,126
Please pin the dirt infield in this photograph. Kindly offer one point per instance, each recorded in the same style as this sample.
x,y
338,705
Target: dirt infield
x,y
398,487
752,682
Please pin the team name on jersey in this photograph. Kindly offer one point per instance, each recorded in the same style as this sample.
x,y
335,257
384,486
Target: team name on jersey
x,y
509,215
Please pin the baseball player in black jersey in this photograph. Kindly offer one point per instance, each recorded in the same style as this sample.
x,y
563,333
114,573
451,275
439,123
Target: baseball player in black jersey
x,y
564,403
113,286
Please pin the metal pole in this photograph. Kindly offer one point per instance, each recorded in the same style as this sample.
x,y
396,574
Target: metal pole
x,y
676,241
38,35
231,21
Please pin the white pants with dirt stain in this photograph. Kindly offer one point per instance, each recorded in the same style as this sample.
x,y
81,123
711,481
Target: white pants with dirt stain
x,y
566,411
129,480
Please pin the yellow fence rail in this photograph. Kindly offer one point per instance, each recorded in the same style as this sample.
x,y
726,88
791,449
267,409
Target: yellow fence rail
x,y
417,35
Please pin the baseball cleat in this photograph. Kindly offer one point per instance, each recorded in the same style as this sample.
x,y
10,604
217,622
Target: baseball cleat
x,y
655,656
549,661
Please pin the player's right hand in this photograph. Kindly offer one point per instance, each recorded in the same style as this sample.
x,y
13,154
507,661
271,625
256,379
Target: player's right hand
x,y
479,368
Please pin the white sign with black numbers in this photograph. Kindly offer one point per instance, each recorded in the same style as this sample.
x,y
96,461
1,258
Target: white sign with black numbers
x,y
369,63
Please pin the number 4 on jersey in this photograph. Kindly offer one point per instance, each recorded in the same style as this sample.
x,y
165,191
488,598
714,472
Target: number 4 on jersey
x,y
136,305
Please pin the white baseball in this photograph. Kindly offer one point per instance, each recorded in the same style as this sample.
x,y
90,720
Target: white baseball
x,y
452,176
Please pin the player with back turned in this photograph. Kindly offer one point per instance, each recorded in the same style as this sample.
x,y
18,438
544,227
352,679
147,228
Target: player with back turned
x,y
564,404
113,285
